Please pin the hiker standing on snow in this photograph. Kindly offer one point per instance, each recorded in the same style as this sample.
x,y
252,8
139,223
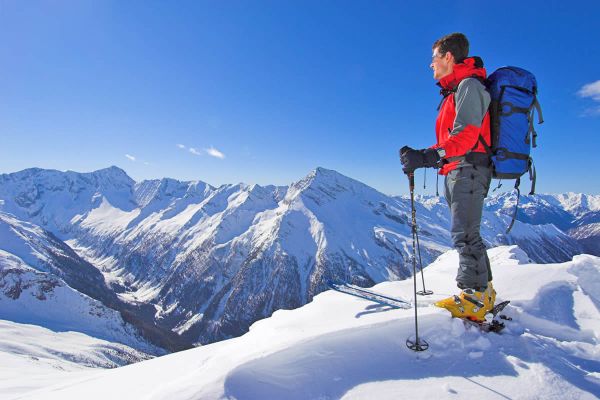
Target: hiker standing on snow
x,y
463,117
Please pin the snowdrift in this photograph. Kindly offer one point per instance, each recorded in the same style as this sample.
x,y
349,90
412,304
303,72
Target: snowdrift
x,y
339,346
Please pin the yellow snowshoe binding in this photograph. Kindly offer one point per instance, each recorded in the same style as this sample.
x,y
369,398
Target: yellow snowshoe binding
x,y
471,304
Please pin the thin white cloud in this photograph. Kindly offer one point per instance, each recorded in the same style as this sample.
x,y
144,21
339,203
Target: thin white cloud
x,y
591,90
130,157
211,151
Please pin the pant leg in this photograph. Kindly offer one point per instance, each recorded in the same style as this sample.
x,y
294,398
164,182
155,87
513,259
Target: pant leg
x,y
466,188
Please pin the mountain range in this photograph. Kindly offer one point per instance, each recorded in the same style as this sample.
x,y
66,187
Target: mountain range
x,y
171,263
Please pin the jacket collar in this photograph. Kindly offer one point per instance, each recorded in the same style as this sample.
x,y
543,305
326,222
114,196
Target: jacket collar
x,y
470,67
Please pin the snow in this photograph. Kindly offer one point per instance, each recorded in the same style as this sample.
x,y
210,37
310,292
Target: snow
x,y
44,357
578,202
53,198
187,324
17,239
342,347
106,219
29,296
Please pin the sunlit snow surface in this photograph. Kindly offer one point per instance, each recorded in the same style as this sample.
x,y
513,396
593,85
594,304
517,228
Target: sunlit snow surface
x,y
32,356
343,347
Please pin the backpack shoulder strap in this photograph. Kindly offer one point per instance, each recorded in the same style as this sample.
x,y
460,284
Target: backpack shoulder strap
x,y
532,177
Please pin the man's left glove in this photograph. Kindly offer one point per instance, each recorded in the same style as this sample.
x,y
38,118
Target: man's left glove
x,y
413,159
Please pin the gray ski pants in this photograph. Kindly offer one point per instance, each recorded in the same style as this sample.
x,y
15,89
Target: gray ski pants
x,y
465,189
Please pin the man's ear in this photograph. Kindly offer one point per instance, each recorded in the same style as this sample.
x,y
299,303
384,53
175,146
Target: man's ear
x,y
450,57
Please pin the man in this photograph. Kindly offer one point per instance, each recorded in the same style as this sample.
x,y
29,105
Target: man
x,y
462,124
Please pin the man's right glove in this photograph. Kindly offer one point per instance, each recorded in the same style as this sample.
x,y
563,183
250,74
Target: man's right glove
x,y
413,159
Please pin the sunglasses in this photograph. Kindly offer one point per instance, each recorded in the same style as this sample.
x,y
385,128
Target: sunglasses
x,y
433,57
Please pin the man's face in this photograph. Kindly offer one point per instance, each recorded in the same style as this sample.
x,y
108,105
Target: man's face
x,y
442,65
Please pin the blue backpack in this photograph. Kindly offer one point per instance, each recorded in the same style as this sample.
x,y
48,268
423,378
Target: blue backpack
x,y
514,99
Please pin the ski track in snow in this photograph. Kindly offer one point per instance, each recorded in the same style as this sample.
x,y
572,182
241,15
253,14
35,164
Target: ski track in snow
x,y
341,347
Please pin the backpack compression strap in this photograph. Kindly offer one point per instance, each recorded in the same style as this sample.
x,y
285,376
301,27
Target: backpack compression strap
x,y
534,106
514,217
532,178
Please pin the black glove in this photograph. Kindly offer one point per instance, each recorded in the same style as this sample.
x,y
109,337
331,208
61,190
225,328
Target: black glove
x,y
431,158
413,159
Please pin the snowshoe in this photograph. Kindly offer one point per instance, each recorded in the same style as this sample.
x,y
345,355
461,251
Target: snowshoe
x,y
492,322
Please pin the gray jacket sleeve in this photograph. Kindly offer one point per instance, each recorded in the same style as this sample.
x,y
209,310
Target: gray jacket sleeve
x,y
472,101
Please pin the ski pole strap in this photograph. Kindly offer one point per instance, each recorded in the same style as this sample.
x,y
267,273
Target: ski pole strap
x,y
514,217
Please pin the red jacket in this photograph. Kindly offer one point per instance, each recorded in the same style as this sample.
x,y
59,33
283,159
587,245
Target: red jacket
x,y
458,126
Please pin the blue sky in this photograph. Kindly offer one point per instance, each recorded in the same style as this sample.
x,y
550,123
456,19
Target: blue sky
x,y
265,91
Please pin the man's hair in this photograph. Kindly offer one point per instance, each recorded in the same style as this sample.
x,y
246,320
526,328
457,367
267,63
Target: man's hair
x,y
455,43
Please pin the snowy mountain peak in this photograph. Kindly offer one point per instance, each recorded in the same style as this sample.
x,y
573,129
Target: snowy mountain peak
x,y
579,203
151,190
324,175
53,199
323,186
113,175
54,179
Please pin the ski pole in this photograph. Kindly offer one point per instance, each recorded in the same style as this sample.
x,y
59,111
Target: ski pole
x,y
417,344
423,292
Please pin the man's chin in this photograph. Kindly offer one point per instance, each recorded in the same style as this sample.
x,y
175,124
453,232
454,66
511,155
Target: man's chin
x,y
437,77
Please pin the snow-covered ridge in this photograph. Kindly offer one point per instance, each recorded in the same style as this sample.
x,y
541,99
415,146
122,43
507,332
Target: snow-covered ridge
x,y
578,203
44,282
33,297
574,213
341,347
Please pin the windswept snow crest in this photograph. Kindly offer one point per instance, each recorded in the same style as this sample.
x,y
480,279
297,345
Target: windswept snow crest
x,y
342,347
